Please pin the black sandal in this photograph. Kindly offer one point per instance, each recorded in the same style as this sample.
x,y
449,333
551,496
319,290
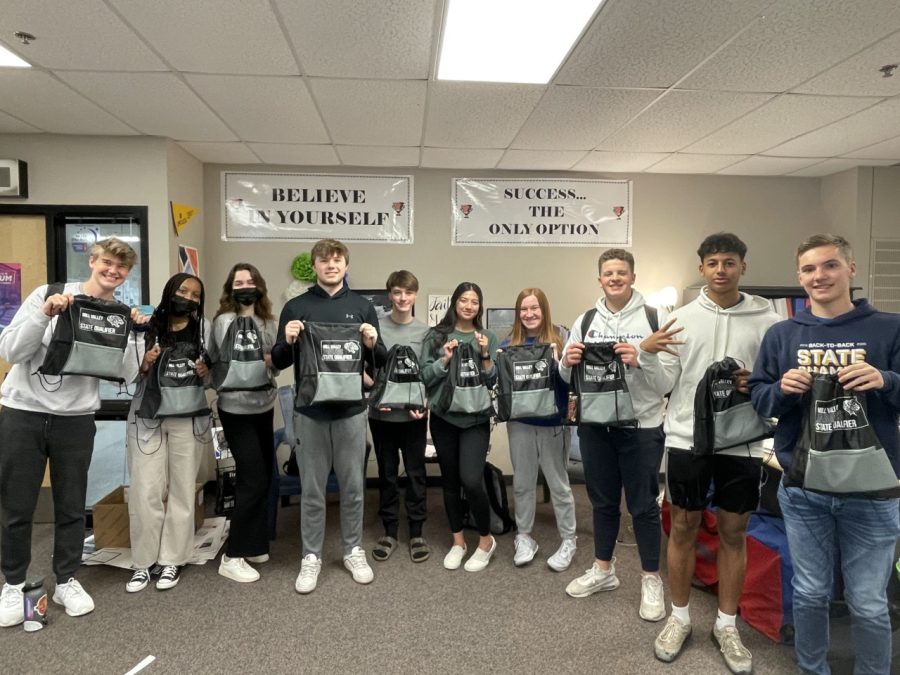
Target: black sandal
x,y
383,548
419,550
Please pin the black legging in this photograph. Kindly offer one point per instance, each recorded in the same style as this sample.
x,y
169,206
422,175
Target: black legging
x,y
251,440
462,454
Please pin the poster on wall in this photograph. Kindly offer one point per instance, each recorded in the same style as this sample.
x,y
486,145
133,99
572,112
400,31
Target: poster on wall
x,y
10,292
541,212
181,216
189,260
312,206
437,307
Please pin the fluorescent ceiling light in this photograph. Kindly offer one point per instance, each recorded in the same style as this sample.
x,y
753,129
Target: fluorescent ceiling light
x,y
10,60
521,41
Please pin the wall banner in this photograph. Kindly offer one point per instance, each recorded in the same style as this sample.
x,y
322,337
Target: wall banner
x,y
541,212
312,206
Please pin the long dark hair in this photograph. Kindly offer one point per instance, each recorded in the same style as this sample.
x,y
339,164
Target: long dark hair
x,y
446,325
262,307
159,323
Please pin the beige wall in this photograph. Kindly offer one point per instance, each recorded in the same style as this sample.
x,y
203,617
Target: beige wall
x,y
184,182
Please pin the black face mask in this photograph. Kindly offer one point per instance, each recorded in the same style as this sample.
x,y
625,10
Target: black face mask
x,y
182,306
246,296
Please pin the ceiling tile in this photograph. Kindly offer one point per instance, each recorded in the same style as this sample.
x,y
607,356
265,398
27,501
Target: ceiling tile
x,y
777,121
652,43
767,166
540,160
477,114
795,41
37,97
283,153
356,155
681,118
683,163
872,125
158,104
225,36
78,35
371,112
220,153
348,38
623,162
859,75
460,158
830,166
11,125
578,118
245,103
889,149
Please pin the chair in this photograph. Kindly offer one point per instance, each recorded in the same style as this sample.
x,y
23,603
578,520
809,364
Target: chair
x,y
283,486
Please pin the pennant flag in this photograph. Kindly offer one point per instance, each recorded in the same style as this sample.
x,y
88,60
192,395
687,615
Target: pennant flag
x,y
181,215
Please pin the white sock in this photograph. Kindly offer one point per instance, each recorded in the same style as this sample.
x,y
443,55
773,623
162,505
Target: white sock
x,y
683,614
724,620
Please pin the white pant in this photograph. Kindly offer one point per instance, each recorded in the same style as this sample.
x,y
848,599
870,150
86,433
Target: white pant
x,y
163,462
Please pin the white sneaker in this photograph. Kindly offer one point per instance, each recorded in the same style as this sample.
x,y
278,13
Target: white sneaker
x,y
594,580
257,559
358,566
309,574
139,580
670,641
12,605
74,598
454,557
526,548
561,560
653,607
237,569
480,558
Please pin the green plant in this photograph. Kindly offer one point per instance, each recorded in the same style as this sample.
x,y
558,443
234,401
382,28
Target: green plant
x,y
302,269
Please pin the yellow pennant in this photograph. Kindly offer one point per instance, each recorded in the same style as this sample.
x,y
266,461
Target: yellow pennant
x,y
181,215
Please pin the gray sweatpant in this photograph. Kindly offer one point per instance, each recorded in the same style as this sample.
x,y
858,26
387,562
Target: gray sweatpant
x,y
530,447
322,445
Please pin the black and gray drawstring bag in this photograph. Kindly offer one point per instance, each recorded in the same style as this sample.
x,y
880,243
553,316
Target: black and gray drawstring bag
x,y
328,365
241,365
398,385
173,388
526,383
599,383
466,391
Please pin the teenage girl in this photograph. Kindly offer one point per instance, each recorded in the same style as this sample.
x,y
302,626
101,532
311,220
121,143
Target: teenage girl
x,y
540,443
461,440
247,417
164,452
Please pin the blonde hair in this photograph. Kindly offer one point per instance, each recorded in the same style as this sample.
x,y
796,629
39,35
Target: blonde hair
x,y
116,248
547,332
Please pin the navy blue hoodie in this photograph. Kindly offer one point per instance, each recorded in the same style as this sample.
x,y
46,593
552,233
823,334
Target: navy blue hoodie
x,y
824,346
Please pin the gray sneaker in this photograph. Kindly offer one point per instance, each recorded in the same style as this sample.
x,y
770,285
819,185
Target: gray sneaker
x,y
594,580
526,548
672,638
737,657
653,606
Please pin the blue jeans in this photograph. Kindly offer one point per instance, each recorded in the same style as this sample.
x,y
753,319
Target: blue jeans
x,y
865,532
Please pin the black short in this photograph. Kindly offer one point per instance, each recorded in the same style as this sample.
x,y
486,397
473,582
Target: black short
x,y
736,481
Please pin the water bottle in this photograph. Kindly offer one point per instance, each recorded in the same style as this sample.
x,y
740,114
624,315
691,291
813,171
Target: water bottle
x,y
35,605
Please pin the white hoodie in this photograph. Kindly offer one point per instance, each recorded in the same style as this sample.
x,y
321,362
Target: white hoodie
x,y
628,325
24,343
710,334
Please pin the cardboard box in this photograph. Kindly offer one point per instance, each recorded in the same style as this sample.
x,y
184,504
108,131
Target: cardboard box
x,y
111,526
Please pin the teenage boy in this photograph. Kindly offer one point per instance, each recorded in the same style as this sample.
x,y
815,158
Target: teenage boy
x,y
401,430
40,422
721,322
330,436
622,458
861,345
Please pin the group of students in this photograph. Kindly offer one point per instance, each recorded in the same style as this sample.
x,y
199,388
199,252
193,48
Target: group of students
x,y
664,359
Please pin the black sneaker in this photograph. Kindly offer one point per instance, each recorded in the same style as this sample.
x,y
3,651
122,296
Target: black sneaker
x,y
168,578
139,581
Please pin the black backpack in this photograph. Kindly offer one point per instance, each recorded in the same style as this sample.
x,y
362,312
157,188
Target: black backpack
x,y
838,451
241,365
526,383
89,338
466,391
495,486
398,385
328,365
173,388
723,416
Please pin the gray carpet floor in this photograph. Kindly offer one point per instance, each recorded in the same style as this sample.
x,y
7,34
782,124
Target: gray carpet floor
x,y
414,618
